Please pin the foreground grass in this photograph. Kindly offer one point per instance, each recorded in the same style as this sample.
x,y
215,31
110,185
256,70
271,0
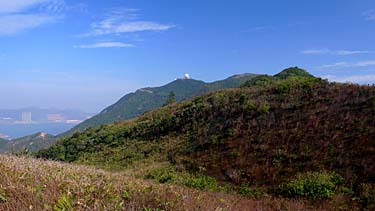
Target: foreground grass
x,y
30,184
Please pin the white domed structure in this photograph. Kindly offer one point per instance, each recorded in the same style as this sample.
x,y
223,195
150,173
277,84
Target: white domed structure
x,y
186,76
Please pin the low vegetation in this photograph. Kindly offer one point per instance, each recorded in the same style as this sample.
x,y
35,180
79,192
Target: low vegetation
x,y
313,185
29,184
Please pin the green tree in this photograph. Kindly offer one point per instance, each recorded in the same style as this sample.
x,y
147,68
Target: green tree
x,y
171,98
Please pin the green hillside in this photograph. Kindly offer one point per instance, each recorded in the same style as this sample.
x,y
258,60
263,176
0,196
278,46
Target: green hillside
x,y
294,136
262,80
293,71
3,142
31,143
146,99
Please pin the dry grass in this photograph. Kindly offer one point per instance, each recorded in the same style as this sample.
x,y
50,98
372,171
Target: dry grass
x,y
30,184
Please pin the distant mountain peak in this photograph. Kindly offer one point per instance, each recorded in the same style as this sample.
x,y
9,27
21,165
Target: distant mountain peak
x,y
293,71
42,135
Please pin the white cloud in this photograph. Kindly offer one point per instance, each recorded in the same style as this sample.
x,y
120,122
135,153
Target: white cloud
x,y
17,6
334,52
369,15
12,6
125,21
349,64
335,65
354,78
15,15
106,45
11,24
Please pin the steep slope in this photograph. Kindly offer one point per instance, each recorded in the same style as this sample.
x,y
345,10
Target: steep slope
x,y
146,99
31,143
261,135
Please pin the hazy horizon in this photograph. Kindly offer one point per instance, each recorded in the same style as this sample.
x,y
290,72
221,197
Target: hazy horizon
x,y
88,54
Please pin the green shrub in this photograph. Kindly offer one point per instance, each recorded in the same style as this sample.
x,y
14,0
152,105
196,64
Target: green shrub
x,y
126,195
3,196
245,190
202,182
163,175
64,203
312,185
265,108
170,175
250,105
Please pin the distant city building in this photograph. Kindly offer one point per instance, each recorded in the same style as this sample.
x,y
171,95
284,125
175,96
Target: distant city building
x,y
26,117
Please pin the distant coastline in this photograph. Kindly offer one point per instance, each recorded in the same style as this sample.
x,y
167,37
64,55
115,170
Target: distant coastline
x,y
17,130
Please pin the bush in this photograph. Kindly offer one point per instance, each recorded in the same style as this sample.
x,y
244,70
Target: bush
x,y
202,182
3,196
265,108
312,185
245,190
163,175
64,203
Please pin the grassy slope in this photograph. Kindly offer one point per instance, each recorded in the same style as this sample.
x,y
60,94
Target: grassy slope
x,y
29,184
262,135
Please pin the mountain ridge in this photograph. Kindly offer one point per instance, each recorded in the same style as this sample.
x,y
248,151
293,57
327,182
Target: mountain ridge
x,y
150,98
30,143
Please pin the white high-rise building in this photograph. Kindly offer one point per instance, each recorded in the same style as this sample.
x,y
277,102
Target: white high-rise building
x,y
26,117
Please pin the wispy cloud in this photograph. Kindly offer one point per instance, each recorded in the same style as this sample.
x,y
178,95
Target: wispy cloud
x,y
353,78
15,15
349,64
106,45
369,15
334,52
16,6
12,24
121,21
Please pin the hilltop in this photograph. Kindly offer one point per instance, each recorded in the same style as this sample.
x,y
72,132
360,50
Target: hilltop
x,y
31,143
268,137
146,99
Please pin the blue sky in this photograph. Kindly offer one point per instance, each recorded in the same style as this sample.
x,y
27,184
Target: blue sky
x,y
87,54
